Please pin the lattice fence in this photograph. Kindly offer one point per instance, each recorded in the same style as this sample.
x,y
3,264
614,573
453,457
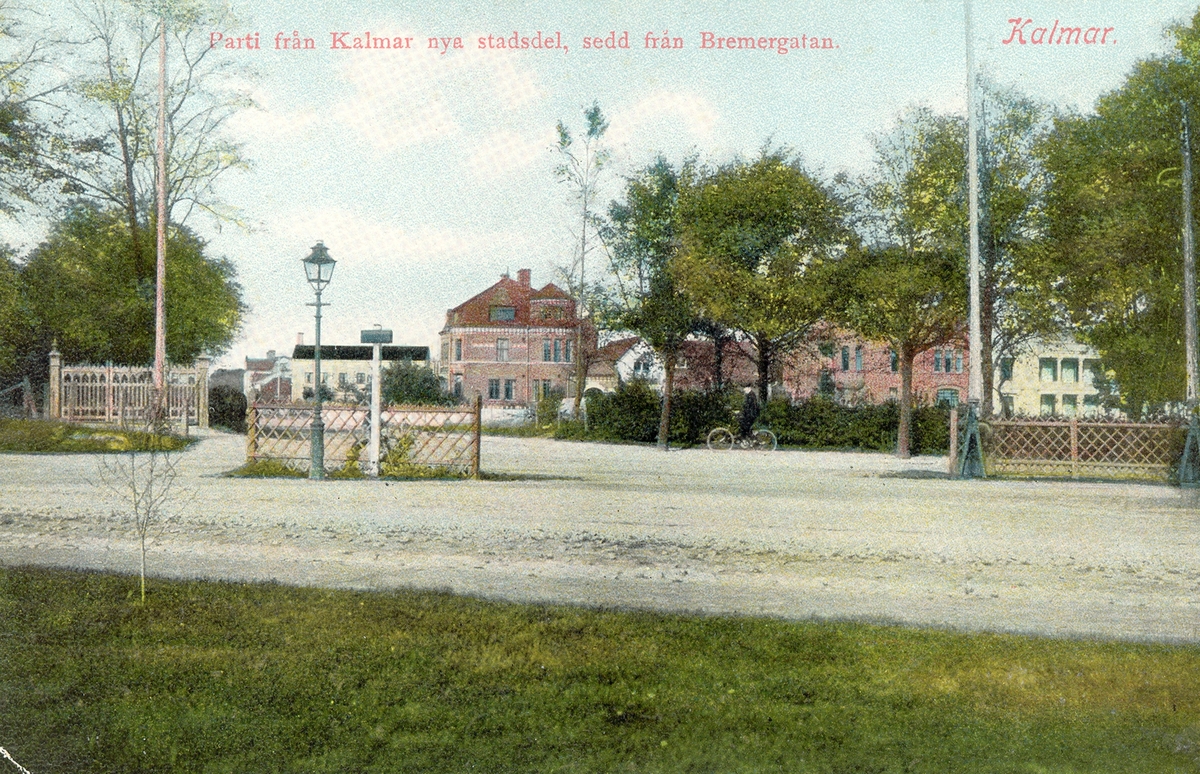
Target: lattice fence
x,y
409,436
1082,449
120,395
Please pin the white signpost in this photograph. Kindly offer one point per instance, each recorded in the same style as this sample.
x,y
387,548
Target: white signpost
x,y
377,337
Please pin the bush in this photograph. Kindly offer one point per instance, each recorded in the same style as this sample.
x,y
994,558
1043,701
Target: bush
x,y
404,383
695,413
629,414
548,407
227,408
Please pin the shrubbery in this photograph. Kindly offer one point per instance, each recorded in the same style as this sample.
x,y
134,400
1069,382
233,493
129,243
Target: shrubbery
x,y
227,408
632,414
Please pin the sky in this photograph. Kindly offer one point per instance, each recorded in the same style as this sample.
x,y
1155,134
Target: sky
x,y
428,173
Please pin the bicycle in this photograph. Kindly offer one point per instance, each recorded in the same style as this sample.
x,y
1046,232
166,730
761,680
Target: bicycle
x,y
723,439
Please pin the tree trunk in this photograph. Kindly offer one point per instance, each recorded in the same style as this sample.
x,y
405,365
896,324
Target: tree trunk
x,y
664,422
764,347
903,433
987,312
719,342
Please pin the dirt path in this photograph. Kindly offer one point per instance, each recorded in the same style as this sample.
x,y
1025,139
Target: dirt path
x,y
791,534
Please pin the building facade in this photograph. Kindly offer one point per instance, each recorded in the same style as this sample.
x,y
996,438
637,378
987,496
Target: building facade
x,y
511,344
345,369
1050,378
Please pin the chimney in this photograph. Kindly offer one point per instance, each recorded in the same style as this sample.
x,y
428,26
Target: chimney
x,y
523,277
300,339
270,354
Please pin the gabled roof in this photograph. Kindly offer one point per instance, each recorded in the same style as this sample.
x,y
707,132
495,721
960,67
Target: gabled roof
x,y
614,350
508,293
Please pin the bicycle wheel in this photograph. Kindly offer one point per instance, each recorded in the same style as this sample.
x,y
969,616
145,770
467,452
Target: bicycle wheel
x,y
764,440
720,439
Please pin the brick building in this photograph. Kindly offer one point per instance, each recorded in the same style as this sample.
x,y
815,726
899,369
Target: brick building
x,y
511,343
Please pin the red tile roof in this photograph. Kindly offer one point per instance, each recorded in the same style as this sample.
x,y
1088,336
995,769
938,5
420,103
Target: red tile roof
x,y
477,311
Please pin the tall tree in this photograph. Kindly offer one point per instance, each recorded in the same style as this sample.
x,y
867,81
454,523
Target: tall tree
x,y
1114,248
14,323
108,156
86,289
914,197
582,162
754,238
912,299
25,87
642,234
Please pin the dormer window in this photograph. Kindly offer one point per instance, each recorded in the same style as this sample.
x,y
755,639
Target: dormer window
x,y
502,313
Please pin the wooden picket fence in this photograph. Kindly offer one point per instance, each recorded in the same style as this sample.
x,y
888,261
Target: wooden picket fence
x,y
423,436
1090,448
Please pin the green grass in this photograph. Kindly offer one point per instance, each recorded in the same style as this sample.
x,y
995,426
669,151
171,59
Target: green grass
x,y
240,678
266,469
30,435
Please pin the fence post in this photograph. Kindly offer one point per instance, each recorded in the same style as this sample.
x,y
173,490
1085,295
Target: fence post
x,y
954,442
251,433
54,409
1074,447
476,430
202,364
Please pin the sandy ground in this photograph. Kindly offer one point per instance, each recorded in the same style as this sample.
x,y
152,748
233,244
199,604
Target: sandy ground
x,y
788,534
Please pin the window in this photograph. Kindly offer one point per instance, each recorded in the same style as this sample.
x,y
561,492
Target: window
x,y
1048,371
641,366
1094,370
1006,366
845,358
937,361
892,356
893,393
947,396
342,380
308,377
1008,403
360,378
547,386
546,350
493,389
1070,370
502,313
858,358
557,350
1091,405
1049,405
458,349
957,362
510,386
458,385
445,350
502,350
567,351
1069,405
325,378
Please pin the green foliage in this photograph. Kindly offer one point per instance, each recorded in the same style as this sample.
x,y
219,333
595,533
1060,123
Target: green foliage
x,y
404,383
29,435
548,406
820,423
15,327
244,677
89,290
227,408
266,469
1114,252
631,413
754,239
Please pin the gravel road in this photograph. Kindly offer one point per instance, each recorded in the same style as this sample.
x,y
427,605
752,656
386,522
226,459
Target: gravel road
x,y
790,534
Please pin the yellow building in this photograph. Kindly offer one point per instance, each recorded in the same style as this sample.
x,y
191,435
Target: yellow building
x,y
1049,379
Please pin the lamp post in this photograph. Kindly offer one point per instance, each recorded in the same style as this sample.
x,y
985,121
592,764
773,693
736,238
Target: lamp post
x,y
318,267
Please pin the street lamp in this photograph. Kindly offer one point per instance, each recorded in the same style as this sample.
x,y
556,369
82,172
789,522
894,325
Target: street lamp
x,y
318,267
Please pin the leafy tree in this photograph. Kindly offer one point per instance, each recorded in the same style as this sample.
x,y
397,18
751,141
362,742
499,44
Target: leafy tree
x,y
86,288
227,408
107,157
914,300
642,233
754,238
403,383
915,198
14,322
24,88
1114,250
582,162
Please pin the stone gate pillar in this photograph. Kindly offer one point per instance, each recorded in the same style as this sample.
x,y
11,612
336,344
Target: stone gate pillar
x,y
55,409
202,364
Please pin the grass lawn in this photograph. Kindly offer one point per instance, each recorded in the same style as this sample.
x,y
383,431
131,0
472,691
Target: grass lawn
x,y
32,435
213,677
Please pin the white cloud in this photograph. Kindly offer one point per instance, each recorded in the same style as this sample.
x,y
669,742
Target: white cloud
x,y
502,153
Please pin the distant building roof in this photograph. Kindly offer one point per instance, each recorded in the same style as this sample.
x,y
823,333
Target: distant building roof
x,y
506,304
359,352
